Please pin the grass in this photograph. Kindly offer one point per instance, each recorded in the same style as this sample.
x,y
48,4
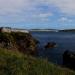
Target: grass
x,y
15,63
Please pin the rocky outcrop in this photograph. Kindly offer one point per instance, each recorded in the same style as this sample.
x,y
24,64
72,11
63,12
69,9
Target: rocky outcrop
x,y
9,30
50,45
69,59
23,42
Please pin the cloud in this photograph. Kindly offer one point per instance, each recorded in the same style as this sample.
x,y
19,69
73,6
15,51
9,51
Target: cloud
x,y
66,6
22,11
12,11
42,15
45,15
64,19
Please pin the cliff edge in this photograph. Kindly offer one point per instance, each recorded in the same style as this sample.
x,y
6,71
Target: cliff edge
x,y
20,41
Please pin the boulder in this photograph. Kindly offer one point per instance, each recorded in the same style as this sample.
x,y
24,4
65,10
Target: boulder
x,y
69,59
50,45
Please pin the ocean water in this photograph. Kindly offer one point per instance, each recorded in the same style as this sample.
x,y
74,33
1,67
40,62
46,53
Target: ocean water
x,y
65,41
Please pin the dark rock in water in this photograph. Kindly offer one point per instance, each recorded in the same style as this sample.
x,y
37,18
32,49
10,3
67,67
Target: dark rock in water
x,y
69,59
22,42
37,41
50,45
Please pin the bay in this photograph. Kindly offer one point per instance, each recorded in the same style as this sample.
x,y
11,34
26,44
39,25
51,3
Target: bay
x,y
64,40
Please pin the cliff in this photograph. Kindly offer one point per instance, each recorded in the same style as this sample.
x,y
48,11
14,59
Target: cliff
x,y
22,42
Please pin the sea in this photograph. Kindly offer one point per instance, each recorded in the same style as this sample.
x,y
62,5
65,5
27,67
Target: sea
x,y
64,40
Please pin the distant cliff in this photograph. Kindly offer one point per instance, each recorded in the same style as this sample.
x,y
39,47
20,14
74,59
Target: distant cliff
x,y
20,41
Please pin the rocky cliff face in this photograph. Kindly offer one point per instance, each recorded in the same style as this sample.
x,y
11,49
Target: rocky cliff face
x,y
23,42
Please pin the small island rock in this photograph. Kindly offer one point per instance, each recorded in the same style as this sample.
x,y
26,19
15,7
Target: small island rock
x,y
50,45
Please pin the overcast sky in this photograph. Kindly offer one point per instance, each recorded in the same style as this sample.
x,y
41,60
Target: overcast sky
x,y
56,14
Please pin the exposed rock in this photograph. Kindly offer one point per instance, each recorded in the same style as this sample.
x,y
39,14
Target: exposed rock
x,y
50,45
69,59
23,42
9,30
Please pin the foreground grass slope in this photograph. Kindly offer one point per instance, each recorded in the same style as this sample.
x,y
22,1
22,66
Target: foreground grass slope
x,y
15,63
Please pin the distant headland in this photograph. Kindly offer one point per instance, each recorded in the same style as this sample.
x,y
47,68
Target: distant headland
x,y
41,30
67,30
9,29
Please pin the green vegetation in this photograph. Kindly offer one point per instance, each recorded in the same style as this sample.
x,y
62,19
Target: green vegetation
x,y
22,42
15,63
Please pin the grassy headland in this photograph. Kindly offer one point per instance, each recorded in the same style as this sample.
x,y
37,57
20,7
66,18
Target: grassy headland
x,y
15,58
15,63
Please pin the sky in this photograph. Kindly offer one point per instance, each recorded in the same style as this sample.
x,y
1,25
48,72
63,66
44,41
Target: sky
x,y
42,14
